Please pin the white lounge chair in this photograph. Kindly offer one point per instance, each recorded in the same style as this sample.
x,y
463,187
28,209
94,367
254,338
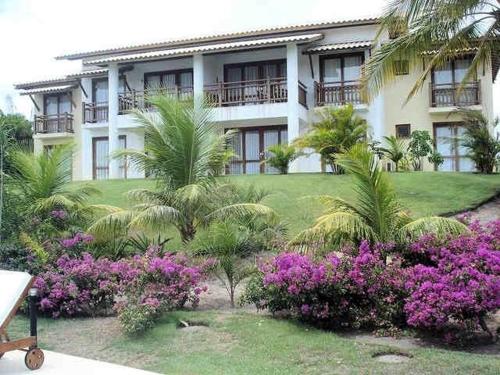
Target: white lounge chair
x,y
14,288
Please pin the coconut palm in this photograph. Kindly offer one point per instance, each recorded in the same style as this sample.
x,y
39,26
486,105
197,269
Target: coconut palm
x,y
483,148
43,180
440,29
338,130
395,150
281,155
182,146
376,215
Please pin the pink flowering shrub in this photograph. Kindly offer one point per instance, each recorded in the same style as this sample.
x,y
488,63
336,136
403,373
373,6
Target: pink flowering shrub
x,y
447,284
78,287
347,291
459,284
84,286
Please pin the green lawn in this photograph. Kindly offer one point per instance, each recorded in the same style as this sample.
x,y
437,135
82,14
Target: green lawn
x,y
424,193
245,343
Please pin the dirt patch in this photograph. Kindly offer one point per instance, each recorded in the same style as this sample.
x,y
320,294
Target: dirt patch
x,y
405,343
217,298
392,358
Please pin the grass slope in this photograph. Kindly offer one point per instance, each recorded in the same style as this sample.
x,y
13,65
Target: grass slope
x,y
424,193
245,343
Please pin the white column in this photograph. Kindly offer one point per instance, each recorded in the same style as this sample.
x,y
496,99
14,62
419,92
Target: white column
x,y
376,117
292,79
113,141
198,80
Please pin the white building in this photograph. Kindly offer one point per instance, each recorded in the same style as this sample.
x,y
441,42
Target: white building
x,y
267,83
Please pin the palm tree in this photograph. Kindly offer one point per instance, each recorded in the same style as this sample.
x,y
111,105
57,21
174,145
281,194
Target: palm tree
x,y
440,29
43,180
483,148
182,146
395,150
338,130
376,215
281,157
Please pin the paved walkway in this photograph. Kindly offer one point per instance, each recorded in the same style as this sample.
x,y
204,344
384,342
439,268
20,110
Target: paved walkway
x,y
487,212
12,363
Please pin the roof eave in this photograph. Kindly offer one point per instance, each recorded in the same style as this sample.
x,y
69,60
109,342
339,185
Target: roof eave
x,y
219,38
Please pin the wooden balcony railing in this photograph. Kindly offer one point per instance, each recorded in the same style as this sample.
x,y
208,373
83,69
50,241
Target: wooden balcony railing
x,y
95,112
139,99
58,123
337,93
259,91
452,95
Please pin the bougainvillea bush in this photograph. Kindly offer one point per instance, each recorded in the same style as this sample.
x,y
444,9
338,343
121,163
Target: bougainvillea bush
x,y
440,284
459,282
357,290
152,283
163,283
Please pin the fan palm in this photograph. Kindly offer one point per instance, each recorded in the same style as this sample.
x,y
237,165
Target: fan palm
x,y
182,146
338,130
395,150
448,28
376,215
43,180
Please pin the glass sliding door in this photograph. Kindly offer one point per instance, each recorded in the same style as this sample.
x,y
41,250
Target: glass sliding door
x,y
340,75
250,146
252,152
100,158
447,141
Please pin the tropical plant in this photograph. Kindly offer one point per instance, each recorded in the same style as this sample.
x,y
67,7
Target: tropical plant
x,y
282,156
376,215
448,28
436,159
43,181
181,147
229,245
395,150
419,147
483,148
338,130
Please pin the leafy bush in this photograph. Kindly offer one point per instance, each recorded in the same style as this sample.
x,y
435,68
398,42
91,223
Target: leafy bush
x,y
458,282
419,147
347,291
79,286
282,156
436,158
161,284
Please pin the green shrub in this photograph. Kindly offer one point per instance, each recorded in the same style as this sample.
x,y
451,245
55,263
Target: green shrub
x,y
135,319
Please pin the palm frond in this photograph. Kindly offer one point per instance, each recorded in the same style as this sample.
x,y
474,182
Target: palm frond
x,y
440,226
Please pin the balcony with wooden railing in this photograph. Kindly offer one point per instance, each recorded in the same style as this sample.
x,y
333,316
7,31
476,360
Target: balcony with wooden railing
x,y
259,91
455,94
95,112
337,93
54,124
134,99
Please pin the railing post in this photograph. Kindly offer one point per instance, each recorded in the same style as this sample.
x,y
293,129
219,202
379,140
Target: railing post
x,y
221,91
268,85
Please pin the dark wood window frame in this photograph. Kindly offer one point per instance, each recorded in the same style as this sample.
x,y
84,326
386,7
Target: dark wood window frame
x,y
261,130
403,126
453,79
260,64
58,95
340,56
94,141
456,156
162,73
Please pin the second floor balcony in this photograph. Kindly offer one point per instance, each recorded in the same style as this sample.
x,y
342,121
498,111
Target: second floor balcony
x,y
54,124
455,94
95,112
337,93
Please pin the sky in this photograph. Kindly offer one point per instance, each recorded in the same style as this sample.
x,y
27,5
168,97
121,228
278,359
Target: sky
x,y
33,32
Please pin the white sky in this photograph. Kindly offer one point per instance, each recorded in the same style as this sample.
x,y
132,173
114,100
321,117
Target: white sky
x,y
32,32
